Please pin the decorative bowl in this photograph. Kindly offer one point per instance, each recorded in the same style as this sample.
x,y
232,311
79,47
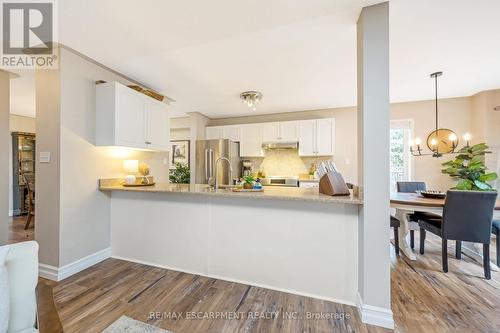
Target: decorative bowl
x,y
432,194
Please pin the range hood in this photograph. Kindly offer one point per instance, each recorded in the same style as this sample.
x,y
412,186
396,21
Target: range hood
x,y
280,145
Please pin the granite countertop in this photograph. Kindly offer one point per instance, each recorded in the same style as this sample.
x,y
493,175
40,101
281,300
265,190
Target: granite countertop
x,y
270,192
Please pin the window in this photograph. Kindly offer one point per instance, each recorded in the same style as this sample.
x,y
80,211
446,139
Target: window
x,y
400,135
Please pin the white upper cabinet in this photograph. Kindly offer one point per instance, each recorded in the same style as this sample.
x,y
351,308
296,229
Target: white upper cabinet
x,y
213,133
231,132
317,137
325,137
270,132
307,138
286,131
289,131
251,140
157,138
125,117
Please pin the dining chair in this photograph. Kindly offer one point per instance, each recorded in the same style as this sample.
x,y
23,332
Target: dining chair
x,y
495,229
29,179
395,223
467,216
413,187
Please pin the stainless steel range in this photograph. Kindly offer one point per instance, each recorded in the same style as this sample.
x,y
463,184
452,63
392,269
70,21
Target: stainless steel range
x,y
280,181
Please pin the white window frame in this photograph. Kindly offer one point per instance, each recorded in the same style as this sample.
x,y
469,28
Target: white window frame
x,y
406,124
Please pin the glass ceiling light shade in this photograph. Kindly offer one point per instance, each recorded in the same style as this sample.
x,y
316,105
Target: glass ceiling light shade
x,y
441,141
251,98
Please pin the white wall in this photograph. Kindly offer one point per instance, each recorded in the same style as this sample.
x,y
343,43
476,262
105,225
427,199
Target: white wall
x,y
78,224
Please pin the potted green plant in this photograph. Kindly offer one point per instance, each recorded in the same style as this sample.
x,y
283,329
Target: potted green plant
x,y
248,182
180,175
469,169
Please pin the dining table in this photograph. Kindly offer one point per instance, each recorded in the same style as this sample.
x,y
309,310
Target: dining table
x,y
408,203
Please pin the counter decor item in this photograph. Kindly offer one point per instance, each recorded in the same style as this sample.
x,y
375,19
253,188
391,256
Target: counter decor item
x,y
248,182
432,194
331,181
470,170
181,174
131,167
144,172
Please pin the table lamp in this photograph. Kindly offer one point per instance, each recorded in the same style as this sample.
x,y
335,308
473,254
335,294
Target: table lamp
x,y
131,167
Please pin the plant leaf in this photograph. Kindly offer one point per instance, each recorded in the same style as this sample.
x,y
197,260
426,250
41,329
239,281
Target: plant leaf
x,y
464,185
488,177
482,186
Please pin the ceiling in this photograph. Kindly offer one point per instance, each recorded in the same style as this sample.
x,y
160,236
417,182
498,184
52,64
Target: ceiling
x,y
301,54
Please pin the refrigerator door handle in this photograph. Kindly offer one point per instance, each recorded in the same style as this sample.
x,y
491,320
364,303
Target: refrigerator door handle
x,y
211,163
206,164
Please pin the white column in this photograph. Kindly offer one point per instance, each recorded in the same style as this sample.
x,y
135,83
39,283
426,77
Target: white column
x,y
374,280
4,158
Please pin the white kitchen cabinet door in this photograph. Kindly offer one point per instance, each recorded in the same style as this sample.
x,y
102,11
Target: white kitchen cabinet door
x,y
213,133
231,132
251,141
130,118
325,137
270,132
289,131
158,121
307,138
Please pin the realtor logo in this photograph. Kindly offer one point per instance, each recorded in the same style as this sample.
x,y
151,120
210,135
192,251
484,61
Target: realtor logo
x,y
27,34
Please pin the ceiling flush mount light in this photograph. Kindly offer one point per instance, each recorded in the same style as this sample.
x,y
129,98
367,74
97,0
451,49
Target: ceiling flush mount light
x,y
251,98
441,141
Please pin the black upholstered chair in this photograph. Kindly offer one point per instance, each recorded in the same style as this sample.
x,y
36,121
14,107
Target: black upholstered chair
x,y
395,224
467,216
495,229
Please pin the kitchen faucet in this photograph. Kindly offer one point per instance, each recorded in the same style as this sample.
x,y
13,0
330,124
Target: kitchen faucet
x,y
216,169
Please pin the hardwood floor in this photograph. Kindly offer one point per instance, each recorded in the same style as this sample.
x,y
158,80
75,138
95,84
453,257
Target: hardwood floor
x,y
16,230
424,299
92,300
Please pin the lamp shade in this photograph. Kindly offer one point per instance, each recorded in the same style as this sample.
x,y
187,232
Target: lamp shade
x,y
131,166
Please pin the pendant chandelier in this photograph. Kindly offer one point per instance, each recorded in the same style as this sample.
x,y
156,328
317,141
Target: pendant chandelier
x,y
441,141
251,98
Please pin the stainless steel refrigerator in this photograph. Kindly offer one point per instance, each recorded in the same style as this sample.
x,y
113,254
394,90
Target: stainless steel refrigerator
x,y
207,153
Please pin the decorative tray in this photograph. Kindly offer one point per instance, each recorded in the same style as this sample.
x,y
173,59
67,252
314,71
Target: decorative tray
x,y
246,190
139,185
432,194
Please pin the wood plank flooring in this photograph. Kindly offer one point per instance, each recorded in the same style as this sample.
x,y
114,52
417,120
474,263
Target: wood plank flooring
x,y
424,299
16,230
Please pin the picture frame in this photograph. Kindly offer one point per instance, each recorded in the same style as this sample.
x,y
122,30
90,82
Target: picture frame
x,y
179,151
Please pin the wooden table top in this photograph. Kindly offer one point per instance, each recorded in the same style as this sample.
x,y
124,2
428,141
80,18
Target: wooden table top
x,y
413,199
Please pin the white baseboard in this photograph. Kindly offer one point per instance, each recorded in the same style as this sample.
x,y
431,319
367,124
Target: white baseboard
x,y
237,281
374,315
60,273
11,212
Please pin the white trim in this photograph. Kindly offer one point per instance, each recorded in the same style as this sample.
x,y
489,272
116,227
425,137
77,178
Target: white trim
x,y
236,281
60,273
11,212
374,315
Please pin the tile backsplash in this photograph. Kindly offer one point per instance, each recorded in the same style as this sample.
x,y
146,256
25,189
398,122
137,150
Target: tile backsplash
x,y
284,163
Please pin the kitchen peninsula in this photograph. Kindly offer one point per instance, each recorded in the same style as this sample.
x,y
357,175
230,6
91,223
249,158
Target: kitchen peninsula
x,y
289,239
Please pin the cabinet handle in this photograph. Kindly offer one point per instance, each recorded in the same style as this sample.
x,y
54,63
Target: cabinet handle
x,y
147,142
